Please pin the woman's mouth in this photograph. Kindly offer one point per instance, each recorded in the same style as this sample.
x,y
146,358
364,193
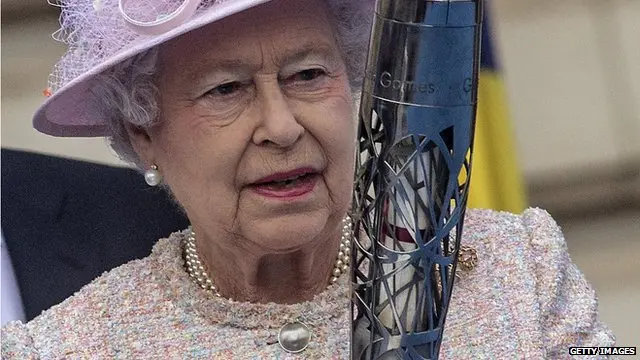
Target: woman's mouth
x,y
287,185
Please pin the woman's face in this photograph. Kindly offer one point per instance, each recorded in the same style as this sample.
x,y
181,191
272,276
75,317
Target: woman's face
x,y
256,134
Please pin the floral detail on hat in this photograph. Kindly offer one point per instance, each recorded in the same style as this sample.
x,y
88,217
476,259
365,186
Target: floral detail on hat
x,y
100,24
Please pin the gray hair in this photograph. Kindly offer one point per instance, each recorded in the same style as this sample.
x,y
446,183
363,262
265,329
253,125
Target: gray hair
x,y
128,93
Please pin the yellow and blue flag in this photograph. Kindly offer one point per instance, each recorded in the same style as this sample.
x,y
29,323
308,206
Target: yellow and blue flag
x,y
496,179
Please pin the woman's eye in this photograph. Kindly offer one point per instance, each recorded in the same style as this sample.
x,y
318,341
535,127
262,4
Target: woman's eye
x,y
225,89
308,75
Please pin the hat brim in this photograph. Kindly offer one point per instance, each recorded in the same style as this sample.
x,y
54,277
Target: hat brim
x,y
72,112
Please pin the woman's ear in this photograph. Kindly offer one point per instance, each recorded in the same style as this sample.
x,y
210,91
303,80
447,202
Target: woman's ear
x,y
142,143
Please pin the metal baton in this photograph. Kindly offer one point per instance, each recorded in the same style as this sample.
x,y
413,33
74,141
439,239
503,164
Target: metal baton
x,y
413,164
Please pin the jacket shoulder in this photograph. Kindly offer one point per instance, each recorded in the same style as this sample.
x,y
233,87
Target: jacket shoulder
x,y
81,325
510,236
525,295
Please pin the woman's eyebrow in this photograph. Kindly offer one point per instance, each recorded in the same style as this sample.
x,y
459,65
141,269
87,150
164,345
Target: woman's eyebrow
x,y
223,65
310,50
290,56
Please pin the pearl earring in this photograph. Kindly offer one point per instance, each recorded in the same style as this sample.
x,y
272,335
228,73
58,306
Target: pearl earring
x,y
153,176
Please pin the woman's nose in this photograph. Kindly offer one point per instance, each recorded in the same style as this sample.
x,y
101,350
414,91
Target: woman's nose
x,y
278,124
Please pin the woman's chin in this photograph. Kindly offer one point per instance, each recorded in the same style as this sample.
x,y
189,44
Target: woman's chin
x,y
289,233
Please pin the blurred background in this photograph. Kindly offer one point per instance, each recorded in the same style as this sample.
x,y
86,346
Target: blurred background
x,y
559,126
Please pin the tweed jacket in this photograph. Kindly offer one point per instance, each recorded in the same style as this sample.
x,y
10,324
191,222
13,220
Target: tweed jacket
x,y
524,300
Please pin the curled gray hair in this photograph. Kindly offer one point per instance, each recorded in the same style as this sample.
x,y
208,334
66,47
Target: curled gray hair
x,y
128,93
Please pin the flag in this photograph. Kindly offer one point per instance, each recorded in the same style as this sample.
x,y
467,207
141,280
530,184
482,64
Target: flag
x,y
496,179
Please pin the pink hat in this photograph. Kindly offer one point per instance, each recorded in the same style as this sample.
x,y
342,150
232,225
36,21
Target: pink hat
x,y
102,33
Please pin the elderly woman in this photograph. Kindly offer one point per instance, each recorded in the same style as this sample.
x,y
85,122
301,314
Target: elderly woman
x,y
243,110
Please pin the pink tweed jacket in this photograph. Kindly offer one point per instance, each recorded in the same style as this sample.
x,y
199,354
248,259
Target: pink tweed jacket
x,y
524,300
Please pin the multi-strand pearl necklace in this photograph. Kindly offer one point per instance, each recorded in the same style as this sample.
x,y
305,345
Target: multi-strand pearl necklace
x,y
198,273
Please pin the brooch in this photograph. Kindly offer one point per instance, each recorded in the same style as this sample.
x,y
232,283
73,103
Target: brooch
x,y
467,258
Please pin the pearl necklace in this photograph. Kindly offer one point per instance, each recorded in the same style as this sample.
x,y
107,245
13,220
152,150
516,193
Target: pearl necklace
x,y
196,269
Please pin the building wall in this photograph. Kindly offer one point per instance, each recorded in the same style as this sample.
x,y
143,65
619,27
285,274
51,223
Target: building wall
x,y
571,68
